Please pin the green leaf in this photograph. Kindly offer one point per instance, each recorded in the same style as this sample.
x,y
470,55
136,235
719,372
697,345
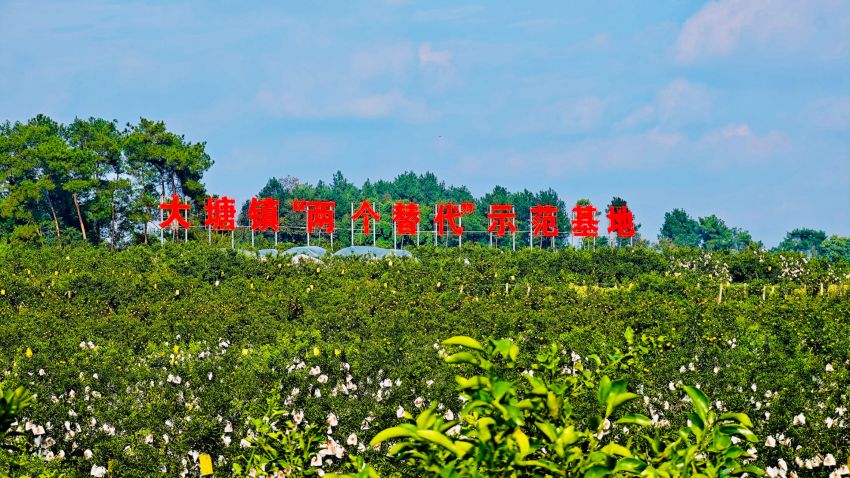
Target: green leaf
x,y
700,401
390,433
425,419
500,388
462,448
552,403
635,419
739,430
604,389
464,341
629,335
615,449
438,438
474,382
522,442
742,418
615,400
462,357
630,465
548,429
597,471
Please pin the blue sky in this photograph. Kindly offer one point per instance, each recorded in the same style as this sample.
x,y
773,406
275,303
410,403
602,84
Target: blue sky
x,y
734,107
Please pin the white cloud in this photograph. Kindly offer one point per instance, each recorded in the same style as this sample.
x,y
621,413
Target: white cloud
x,y
584,114
428,56
737,144
392,103
830,113
723,27
679,102
365,87
392,59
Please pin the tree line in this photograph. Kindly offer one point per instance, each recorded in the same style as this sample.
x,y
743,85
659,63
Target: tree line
x,y
95,181
92,179
712,234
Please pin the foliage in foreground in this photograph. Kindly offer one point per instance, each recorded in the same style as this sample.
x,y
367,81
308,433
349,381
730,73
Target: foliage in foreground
x,y
155,355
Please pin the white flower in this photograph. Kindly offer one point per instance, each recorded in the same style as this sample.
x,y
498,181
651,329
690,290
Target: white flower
x,y
298,416
41,372
419,402
399,412
782,465
771,442
226,440
844,470
772,472
332,421
323,378
449,415
244,443
315,370
352,440
835,474
317,393
316,461
829,368
829,460
38,430
453,430
228,428
98,471
87,454
149,439
800,419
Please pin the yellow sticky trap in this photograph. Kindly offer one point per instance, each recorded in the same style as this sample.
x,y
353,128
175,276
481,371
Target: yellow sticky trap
x,y
206,464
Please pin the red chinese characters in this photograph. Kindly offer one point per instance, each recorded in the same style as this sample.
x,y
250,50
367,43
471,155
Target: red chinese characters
x,y
621,221
406,217
544,220
221,213
366,212
263,214
174,208
450,214
502,218
320,214
585,223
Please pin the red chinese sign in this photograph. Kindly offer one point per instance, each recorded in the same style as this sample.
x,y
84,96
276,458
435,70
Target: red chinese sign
x,y
263,215
502,218
406,217
544,220
221,214
584,223
174,215
366,212
320,214
621,221
451,214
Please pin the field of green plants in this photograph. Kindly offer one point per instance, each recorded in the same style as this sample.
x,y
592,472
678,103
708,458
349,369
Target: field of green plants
x,y
144,359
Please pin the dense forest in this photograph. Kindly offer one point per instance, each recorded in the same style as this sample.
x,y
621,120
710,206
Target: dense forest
x,y
97,182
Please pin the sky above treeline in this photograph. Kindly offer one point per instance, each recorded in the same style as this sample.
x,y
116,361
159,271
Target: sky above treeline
x,y
739,108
